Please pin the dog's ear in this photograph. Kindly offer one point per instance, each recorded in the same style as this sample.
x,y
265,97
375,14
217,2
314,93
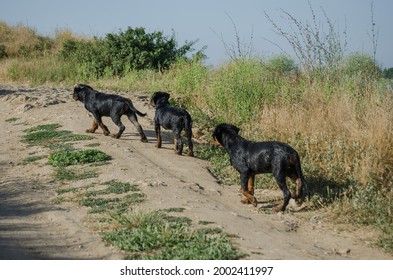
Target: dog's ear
x,y
232,128
166,95
79,87
153,99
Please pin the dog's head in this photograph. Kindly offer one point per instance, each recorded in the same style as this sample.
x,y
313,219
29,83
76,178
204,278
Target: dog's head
x,y
157,97
79,91
221,131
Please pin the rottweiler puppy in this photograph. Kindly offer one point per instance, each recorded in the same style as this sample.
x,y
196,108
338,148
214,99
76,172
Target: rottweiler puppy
x,y
109,105
173,118
251,158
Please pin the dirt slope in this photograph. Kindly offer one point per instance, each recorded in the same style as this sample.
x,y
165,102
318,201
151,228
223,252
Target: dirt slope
x,y
32,227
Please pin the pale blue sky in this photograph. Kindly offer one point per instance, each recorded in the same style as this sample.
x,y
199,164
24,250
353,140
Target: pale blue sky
x,y
206,20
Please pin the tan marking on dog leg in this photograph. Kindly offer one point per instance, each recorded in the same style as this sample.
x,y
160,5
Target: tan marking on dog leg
x,y
249,199
250,185
175,144
278,208
93,128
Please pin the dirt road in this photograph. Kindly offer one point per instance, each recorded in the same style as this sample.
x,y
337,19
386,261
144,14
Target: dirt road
x,y
33,227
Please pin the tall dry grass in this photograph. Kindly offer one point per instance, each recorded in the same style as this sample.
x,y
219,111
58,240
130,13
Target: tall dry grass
x,y
364,124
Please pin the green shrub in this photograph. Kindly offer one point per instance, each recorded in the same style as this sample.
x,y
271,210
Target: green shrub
x,y
363,65
281,64
117,54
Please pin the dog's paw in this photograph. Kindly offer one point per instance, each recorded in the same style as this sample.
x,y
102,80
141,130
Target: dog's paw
x,y
254,202
245,201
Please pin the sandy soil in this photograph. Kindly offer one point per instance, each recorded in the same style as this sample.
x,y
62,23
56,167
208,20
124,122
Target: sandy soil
x,y
33,227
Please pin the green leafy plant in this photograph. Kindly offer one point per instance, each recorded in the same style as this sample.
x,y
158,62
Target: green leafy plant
x,y
47,134
148,235
117,54
66,158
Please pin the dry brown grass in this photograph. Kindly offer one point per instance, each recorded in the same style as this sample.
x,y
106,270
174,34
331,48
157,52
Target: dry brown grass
x,y
17,38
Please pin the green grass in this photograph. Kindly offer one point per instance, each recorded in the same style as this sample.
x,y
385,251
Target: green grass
x,y
12,120
174,209
31,159
66,158
60,142
46,135
117,197
74,174
117,187
149,235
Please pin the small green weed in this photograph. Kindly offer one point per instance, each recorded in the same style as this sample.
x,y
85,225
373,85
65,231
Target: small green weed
x,y
205,222
210,230
102,201
117,187
66,158
115,204
12,120
47,134
43,127
31,159
174,209
92,145
72,174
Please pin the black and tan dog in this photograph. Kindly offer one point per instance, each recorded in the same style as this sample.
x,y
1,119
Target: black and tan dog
x,y
251,158
109,105
173,118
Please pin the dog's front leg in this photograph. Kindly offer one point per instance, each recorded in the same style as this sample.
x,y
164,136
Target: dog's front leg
x,y
247,189
178,142
93,128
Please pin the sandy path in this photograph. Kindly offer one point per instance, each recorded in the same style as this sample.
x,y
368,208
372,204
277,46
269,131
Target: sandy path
x,y
32,227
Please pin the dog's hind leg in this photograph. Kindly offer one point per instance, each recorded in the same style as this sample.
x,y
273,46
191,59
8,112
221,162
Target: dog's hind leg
x,y
188,130
116,119
178,142
133,118
157,128
281,181
190,144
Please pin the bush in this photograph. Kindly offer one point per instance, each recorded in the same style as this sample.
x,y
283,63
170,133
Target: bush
x,y
117,54
360,64
281,64
21,41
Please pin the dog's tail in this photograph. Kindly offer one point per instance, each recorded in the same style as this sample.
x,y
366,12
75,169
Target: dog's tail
x,y
305,190
133,109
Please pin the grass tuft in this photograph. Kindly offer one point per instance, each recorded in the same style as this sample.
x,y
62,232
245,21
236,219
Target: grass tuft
x,y
149,235
66,158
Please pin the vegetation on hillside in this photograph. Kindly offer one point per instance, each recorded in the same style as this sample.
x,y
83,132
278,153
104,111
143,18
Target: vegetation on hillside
x,y
338,114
